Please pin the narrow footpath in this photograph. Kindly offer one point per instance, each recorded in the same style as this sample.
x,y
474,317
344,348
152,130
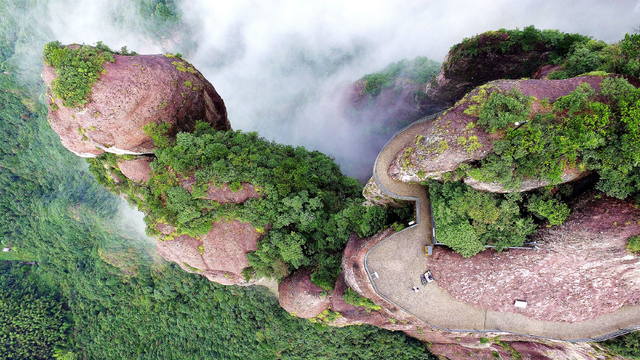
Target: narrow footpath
x,y
399,260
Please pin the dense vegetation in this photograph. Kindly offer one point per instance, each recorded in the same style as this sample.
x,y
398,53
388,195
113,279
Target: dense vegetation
x,y
119,298
555,44
33,320
353,298
592,55
310,207
419,71
77,69
467,220
627,346
584,130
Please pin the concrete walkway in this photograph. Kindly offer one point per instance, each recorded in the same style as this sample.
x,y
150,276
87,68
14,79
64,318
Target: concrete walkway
x,y
400,259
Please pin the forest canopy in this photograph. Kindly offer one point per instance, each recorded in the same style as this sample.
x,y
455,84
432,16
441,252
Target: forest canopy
x,y
308,206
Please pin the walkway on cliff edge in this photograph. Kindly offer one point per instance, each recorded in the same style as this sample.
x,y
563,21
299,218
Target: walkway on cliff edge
x,y
400,259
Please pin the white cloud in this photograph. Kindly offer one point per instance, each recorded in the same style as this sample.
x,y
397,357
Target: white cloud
x,y
280,64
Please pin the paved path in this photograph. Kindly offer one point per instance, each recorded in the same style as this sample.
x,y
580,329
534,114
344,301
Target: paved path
x,y
400,259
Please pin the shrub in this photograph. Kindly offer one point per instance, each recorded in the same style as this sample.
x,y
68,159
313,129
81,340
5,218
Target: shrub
x,y
551,209
627,345
355,299
576,101
467,219
77,70
633,244
500,110
158,133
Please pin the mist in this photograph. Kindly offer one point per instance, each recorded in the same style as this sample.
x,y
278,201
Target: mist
x,y
281,66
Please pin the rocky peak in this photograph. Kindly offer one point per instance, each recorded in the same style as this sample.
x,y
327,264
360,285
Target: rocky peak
x,y
131,92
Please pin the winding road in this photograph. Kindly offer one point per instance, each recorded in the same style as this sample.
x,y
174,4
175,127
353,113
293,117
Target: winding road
x,y
399,260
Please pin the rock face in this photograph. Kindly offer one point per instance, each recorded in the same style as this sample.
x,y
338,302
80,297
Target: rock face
x,y
527,184
439,149
401,103
132,92
138,170
376,197
582,269
463,70
453,346
220,255
302,298
224,194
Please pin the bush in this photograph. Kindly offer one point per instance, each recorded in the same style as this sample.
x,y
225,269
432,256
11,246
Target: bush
x,y
355,299
627,345
467,220
551,209
76,70
500,110
633,244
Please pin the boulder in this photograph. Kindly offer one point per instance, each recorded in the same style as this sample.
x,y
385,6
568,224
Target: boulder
x,y
132,92
224,194
527,184
302,298
438,148
220,255
138,170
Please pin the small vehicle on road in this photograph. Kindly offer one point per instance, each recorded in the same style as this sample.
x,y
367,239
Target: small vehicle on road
x,y
426,278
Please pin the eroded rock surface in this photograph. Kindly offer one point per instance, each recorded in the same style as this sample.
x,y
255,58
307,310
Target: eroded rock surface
x,y
224,194
376,197
581,270
138,170
220,255
451,345
131,93
302,298
439,149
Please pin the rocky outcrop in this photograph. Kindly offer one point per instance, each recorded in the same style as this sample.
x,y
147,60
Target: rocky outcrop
x,y
132,92
526,184
454,139
301,297
450,345
224,194
220,255
486,57
376,197
138,169
483,58
580,271
400,103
